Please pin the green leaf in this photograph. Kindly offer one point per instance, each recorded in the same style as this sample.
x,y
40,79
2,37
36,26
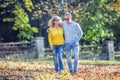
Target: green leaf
x,y
35,30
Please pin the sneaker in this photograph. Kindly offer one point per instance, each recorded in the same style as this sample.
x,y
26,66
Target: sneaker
x,y
57,73
61,71
71,71
75,72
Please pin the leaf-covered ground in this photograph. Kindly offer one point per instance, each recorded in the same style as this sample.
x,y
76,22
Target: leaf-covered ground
x,y
11,70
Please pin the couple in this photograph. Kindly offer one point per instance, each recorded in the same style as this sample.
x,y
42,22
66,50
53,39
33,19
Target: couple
x,y
60,34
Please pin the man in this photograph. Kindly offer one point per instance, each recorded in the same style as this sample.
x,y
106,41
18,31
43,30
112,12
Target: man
x,y
73,34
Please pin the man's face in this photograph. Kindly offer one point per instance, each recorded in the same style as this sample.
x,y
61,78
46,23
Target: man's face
x,y
67,19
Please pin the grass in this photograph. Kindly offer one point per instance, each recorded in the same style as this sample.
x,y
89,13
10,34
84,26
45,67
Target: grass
x,y
50,60
100,62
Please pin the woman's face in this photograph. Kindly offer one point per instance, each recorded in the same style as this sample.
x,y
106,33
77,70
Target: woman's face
x,y
56,21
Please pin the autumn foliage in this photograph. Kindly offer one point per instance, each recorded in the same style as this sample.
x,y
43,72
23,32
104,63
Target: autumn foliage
x,y
45,71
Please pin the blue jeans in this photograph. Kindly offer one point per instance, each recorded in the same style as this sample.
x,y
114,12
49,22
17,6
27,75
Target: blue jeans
x,y
75,47
58,56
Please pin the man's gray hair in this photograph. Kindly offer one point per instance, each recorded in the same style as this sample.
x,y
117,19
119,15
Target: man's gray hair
x,y
68,14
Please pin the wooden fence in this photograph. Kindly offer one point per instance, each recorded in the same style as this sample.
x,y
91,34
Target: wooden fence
x,y
32,49
35,49
15,47
86,51
98,51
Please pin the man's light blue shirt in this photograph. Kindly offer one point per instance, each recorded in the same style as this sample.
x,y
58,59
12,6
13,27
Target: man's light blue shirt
x,y
72,32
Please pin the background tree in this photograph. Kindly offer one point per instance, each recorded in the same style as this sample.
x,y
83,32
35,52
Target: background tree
x,y
21,20
96,17
96,20
115,6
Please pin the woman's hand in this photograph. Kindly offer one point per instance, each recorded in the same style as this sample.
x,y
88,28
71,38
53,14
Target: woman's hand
x,y
51,47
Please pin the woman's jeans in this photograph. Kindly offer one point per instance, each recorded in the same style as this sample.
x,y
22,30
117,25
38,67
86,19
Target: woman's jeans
x,y
75,47
58,56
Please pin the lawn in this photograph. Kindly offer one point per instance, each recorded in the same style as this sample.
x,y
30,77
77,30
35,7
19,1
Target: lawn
x,y
44,70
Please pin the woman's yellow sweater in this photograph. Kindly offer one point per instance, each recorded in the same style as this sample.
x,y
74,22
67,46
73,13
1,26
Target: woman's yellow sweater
x,y
55,36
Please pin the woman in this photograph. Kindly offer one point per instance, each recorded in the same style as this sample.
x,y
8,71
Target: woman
x,y
56,42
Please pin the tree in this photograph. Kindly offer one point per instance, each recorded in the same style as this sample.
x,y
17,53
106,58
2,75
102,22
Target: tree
x,y
96,20
115,6
95,16
21,19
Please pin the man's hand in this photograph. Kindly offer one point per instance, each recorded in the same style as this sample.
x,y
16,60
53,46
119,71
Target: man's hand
x,y
48,30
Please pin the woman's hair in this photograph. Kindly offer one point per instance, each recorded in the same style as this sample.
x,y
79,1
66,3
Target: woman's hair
x,y
51,21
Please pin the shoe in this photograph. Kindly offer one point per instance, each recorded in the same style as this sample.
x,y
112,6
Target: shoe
x,y
57,73
71,72
75,72
61,71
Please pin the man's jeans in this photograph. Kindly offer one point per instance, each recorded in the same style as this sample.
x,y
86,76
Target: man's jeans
x,y
58,56
75,47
